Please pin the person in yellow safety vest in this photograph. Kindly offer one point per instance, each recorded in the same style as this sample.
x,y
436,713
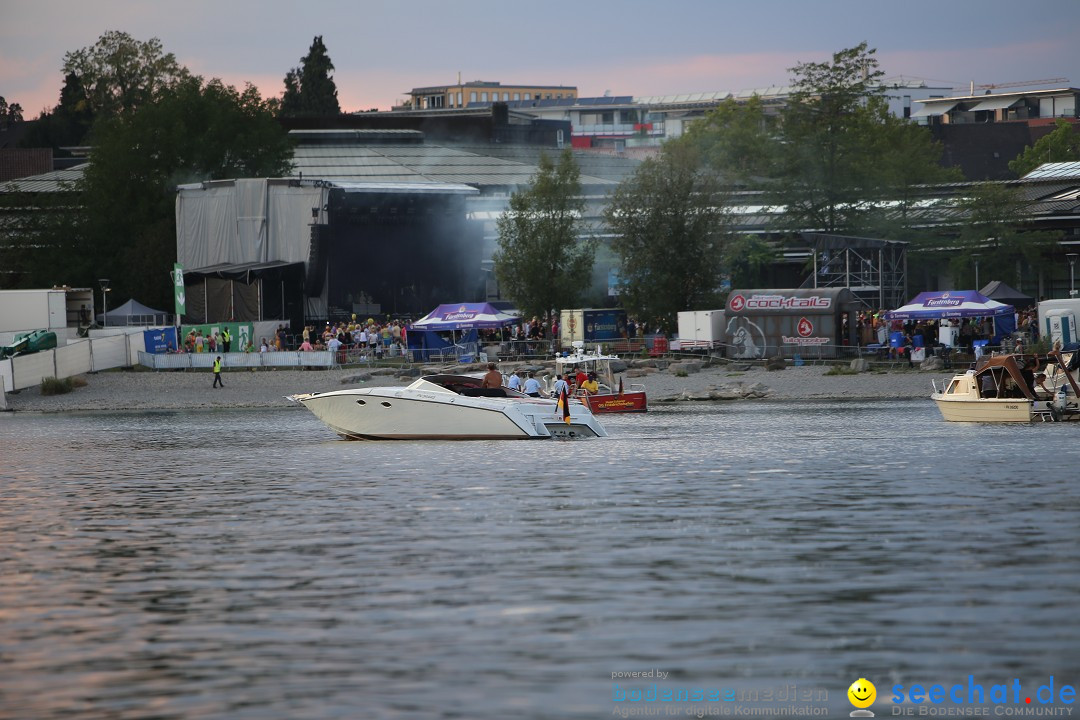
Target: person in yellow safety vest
x,y
226,339
217,373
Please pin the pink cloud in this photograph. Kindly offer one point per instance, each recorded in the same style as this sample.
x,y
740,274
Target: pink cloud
x,y
699,73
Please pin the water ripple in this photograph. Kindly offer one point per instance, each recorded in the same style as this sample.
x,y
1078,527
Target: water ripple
x,y
248,564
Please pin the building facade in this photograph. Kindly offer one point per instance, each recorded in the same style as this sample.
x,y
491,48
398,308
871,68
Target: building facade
x,y
1021,106
467,94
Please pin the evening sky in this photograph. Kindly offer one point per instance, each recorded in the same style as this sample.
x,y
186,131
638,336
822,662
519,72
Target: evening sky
x,y
381,48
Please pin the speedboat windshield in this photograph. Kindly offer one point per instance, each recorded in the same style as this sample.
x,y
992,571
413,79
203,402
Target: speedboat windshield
x,y
467,385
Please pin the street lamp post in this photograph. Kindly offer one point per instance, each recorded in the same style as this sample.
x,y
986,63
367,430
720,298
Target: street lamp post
x,y
975,257
104,282
1072,273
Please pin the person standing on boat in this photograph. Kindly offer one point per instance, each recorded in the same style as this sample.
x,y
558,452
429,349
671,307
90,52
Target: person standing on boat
x,y
532,386
492,378
562,385
217,373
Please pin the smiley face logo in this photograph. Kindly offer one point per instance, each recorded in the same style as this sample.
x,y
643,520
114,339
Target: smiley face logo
x,y
862,693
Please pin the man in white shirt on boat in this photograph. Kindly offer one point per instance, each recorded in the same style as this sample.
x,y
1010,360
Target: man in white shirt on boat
x,y
514,383
532,386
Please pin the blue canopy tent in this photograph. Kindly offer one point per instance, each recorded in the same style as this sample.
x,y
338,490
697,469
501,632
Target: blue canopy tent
x,y
424,339
950,304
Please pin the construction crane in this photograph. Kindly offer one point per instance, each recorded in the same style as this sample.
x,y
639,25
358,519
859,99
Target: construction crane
x,y
1019,83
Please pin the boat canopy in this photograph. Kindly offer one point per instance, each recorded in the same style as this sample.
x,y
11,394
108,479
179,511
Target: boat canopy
x,y
1013,366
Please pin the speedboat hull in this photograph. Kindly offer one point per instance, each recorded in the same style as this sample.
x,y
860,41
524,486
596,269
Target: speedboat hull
x,y
984,409
616,402
424,411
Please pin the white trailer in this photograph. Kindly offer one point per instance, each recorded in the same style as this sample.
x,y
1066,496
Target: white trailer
x,y
56,309
701,329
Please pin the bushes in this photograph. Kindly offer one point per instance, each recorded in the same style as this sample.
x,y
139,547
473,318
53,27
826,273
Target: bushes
x,y
54,386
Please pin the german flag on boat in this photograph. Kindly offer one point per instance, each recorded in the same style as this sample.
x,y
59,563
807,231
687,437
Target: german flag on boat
x,y
564,406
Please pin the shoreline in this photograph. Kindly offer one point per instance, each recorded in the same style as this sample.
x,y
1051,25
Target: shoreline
x,y
191,390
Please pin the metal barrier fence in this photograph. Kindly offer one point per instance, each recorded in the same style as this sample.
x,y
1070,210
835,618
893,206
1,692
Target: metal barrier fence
x,y
190,361
75,358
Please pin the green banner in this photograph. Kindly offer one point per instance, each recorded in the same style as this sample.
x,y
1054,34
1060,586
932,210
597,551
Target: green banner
x,y
178,289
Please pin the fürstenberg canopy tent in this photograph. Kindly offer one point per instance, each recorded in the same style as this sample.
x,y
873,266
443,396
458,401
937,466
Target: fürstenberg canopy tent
x,y
950,304
958,304
464,316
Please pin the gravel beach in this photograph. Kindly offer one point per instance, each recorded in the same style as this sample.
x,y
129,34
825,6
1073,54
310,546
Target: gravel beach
x,y
148,390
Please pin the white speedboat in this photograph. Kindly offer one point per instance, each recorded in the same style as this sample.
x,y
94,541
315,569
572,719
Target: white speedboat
x,y
1002,388
447,407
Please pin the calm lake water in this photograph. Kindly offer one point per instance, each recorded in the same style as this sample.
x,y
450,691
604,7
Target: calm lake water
x,y
248,564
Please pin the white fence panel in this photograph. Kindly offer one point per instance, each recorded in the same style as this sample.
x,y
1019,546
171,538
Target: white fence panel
x,y
319,358
110,352
316,358
165,362
30,370
73,359
7,382
203,361
243,360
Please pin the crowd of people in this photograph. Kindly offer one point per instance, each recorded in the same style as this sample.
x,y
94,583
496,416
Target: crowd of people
x,y
363,340
196,342
525,381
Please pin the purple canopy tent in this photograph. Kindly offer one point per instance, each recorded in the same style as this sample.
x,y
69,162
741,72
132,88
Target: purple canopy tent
x,y
949,304
454,318
465,316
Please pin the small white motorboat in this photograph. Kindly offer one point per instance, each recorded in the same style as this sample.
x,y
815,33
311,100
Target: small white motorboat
x,y
448,407
1002,388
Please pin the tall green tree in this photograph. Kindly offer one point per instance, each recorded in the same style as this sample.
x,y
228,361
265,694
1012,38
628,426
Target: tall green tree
x,y
542,262
994,228
738,140
9,114
826,173
1061,145
195,131
834,158
309,89
119,73
673,235
68,124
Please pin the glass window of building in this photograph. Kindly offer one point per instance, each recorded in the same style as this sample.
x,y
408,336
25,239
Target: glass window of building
x,y
517,96
528,96
506,96
472,96
483,97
